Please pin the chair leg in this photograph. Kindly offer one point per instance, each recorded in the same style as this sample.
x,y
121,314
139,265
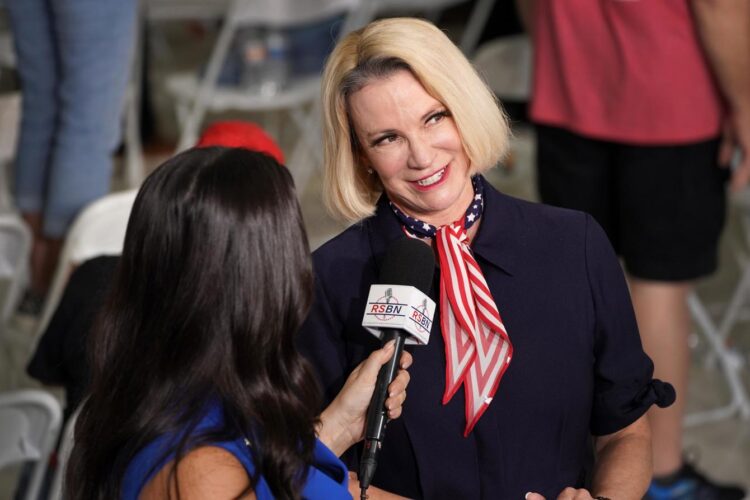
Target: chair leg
x,y
473,30
134,164
739,401
207,86
306,156
19,276
5,199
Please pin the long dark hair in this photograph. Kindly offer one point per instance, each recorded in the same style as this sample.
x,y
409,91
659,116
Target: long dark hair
x,y
214,281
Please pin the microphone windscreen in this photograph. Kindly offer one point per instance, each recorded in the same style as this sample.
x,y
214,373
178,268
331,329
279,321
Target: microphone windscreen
x,y
409,262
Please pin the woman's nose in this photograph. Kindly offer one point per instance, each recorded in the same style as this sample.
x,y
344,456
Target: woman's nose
x,y
421,154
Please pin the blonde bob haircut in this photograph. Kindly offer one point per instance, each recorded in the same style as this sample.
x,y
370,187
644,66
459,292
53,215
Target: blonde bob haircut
x,y
374,52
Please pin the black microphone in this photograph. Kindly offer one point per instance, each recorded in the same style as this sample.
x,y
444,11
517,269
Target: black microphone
x,y
407,262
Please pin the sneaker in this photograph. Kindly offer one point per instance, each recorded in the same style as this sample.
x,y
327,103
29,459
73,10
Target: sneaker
x,y
689,484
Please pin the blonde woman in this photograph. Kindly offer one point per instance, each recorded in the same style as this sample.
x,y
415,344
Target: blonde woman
x,y
535,348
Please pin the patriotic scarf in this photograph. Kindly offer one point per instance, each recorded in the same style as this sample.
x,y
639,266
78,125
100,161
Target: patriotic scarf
x,y
477,347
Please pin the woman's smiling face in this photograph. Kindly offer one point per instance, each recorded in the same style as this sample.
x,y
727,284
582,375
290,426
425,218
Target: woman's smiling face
x,y
411,141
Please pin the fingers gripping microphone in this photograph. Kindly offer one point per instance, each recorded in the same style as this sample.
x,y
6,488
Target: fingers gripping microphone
x,y
397,309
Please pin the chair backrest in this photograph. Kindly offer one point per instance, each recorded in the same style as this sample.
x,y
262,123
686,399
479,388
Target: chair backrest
x,y
98,230
505,64
63,455
30,421
15,245
196,96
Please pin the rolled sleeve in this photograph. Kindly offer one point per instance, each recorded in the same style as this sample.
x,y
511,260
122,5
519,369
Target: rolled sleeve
x,y
624,387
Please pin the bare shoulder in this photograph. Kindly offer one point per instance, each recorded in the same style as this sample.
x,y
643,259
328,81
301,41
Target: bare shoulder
x,y
206,472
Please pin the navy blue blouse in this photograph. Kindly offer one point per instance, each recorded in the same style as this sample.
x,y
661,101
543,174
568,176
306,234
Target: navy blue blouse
x,y
578,367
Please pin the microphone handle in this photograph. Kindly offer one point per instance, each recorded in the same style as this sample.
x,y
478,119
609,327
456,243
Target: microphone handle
x,y
376,412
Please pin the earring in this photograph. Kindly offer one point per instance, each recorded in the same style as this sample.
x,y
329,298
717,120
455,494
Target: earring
x,y
370,171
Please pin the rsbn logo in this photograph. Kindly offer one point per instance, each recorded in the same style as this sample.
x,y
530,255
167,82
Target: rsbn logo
x,y
386,307
419,316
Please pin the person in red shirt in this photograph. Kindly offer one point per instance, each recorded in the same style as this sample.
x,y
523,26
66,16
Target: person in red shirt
x,y
639,106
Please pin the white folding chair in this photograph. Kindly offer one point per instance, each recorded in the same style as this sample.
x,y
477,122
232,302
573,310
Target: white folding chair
x,y
134,162
63,455
505,64
98,230
731,366
149,11
717,334
15,245
196,96
10,112
30,420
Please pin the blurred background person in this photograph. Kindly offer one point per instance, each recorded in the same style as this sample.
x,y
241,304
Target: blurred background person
x,y
639,106
197,388
534,349
73,58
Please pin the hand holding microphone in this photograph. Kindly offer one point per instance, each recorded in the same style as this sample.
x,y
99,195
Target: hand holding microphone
x,y
343,421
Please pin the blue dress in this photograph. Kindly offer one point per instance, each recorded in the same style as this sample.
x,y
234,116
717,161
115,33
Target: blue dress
x,y
327,478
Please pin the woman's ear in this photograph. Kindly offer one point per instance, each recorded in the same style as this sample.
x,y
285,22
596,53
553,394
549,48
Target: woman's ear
x,y
365,162
362,160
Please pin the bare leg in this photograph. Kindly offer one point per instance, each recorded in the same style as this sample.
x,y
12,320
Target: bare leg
x,y
37,263
664,322
45,253
52,247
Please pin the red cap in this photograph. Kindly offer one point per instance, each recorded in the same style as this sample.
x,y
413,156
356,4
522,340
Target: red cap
x,y
240,134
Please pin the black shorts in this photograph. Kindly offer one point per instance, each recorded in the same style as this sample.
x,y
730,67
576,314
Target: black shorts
x,y
663,207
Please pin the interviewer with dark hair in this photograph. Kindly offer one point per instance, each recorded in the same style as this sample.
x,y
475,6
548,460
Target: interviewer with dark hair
x,y
197,389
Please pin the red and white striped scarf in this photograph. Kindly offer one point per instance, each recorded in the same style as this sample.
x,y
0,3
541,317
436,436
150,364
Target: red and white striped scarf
x,y
477,346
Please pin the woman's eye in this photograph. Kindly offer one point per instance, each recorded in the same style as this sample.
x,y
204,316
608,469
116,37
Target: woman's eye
x,y
386,139
436,117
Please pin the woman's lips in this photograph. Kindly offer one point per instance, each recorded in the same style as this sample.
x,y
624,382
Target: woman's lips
x,y
431,181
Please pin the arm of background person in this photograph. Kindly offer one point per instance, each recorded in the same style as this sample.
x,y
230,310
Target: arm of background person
x,y
525,11
724,29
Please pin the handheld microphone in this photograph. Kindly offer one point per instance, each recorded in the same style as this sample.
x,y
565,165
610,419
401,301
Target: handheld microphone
x,y
397,309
